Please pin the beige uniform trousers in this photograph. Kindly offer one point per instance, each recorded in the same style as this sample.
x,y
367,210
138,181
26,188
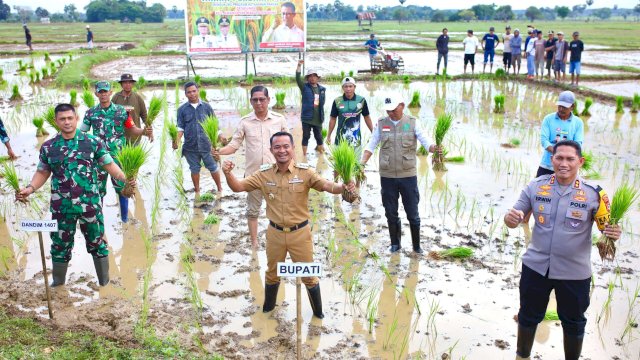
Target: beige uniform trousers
x,y
298,243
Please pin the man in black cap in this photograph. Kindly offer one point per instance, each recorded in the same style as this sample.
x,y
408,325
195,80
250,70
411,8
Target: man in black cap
x,y
133,103
202,39
224,39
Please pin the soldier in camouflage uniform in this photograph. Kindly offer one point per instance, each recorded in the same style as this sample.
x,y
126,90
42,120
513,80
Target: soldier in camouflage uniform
x,y
109,122
73,159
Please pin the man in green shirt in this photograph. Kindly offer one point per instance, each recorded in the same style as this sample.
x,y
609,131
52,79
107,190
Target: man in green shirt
x,y
312,113
347,108
73,159
133,103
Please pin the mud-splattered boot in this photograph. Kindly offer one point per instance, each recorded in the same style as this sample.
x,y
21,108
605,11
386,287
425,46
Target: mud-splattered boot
x,y
526,335
315,298
270,294
572,346
124,208
394,235
59,273
415,238
102,269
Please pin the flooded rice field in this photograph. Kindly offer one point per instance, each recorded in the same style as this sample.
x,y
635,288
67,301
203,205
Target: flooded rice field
x,y
619,88
204,285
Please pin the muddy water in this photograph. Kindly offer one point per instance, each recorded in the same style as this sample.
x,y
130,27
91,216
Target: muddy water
x,y
620,88
614,58
416,63
423,308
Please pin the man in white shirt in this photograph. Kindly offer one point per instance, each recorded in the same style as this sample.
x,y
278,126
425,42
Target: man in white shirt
x,y
202,39
287,31
225,40
470,44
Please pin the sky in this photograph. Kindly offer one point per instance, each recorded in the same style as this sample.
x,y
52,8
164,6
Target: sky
x,y
58,5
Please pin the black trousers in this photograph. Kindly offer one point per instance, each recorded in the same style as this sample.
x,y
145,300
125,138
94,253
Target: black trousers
x,y
572,297
392,189
306,134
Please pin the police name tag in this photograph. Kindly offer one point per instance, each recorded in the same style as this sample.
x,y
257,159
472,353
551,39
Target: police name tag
x,y
299,269
39,225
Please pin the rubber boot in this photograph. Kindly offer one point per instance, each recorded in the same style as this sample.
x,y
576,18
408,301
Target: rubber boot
x,y
394,229
59,273
270,293
526,335
102,269
124,208
415,238
315,298
572,346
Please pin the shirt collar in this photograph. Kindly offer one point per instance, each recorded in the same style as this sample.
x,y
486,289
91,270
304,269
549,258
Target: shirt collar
x,y
344,96
569,119
255,117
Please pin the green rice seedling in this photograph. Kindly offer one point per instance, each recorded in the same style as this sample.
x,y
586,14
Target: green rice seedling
x,y
635,102
406,79
211,219
619,104
422,151
342,74
203,94
344,161
86,84
46,56
280,95
350,73
22,67
460,252
73,96
587,166
15,93
500,73
177,94
11,179
443,124
131,158
211,128
631,321
551,315
249,80
52,68
324,133
198,80
207,197
498,101
415,100
587,104
70,55
37,77
2,80
141,83
155,106
454,159
576,106
624,197
38,122
173,132
372,309
50,117
45,73
32,78
515,141
88,98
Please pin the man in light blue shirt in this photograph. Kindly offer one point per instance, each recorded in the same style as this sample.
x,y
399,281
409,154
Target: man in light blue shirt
x,y
561,125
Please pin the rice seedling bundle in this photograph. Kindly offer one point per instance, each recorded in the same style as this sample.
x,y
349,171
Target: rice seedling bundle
x,y
619,104
11,178
635,102
203,94
551,315
88,98
588,161
324,133
406,79
15,93
211,128
46,56
211,219
45,73
37,77
1,76
38,122
141,83
587,104
73,95
351,73
280,95
50,117
131,158
460,252
32,78
344,161
173,132
443,124
86,84
155,106
70,56
207,197
198,80
624,197
498,101
415,100
500,73
455,159
422,151
52,67
576,105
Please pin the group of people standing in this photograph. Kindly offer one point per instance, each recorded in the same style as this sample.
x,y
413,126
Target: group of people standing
x,y
539,53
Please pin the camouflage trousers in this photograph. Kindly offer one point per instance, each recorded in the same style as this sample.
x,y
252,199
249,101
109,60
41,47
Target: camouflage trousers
x,y
102,181
91,226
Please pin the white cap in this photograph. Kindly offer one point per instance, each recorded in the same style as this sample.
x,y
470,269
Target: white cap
x,y
311,72
391,101
566,99
88,26
348,80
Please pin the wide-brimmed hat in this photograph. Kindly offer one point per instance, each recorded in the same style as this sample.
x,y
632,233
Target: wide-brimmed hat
x,y
126,77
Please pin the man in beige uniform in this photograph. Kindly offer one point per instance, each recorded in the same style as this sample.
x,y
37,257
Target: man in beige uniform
x,y
132,102
256,130
285,186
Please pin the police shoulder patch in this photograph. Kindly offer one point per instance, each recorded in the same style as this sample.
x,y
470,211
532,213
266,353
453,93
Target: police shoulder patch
x,y
265,167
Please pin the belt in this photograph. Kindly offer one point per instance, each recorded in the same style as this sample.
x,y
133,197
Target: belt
x,y
289,229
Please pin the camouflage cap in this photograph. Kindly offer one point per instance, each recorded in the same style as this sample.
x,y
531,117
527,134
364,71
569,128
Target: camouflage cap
x,y
103,85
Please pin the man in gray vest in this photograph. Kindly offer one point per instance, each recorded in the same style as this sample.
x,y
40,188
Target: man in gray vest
x,y
559,256
398,137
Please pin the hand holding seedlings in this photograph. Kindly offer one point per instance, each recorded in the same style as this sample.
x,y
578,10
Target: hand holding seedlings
x,y
513,218
24,193
350,187
612,232
148,132
216,154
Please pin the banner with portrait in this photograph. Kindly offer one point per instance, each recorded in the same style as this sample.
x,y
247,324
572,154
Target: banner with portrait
x,y
243,26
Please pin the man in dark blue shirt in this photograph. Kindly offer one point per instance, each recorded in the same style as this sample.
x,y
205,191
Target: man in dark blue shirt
x,y
372,46
442,44
489,43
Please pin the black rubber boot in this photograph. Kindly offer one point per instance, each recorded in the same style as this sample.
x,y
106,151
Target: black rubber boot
x,y
394,235
102,269
415,238
315,298
526,335
572,346
59,273
270,293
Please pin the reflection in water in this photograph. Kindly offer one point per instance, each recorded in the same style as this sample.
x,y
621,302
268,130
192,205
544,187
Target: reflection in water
x,y
7,254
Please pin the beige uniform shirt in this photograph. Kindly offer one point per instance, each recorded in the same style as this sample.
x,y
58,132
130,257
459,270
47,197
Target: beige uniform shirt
x,y
257,134
139,108
286,193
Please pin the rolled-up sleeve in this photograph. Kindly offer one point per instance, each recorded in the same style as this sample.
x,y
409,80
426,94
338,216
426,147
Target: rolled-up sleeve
x,y
524,202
